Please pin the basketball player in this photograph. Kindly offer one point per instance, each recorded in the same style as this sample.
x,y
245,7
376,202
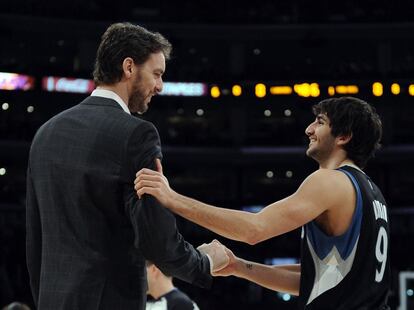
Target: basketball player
x,y
343,215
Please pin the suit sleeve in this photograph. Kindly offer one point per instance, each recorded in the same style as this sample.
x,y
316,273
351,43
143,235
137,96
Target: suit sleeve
x,y
33,237
155,228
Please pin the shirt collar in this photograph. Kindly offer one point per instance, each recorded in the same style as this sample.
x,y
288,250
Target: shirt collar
x,y
105,93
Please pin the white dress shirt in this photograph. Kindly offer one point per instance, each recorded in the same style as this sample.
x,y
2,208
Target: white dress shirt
x,y
111,95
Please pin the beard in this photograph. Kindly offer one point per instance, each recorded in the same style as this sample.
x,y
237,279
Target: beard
x,y
312,153
321,151
139,99
138,103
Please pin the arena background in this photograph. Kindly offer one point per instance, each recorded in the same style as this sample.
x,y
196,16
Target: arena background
x,y
234,134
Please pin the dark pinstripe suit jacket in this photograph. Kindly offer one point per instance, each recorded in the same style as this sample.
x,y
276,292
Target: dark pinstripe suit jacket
x,y
87,233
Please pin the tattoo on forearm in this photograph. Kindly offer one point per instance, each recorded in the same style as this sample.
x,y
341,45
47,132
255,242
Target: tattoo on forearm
x,y
249,266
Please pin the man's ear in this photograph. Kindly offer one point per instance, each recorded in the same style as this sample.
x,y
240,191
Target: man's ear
x,y
156,271
128,67
151,269
343,139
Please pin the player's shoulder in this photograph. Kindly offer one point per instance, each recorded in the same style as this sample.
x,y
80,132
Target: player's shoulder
x,y
330,176
327,181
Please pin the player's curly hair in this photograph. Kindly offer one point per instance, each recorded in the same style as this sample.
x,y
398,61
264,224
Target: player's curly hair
x,y
354,117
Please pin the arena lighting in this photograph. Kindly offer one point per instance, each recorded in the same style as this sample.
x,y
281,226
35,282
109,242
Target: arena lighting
x,y
286,297
260,90
215,92
377,89
395,89
346,89
15,81
184,89
67,85
267,113
281,261
314,90
343,90
307,90
281,90
236,90
331,90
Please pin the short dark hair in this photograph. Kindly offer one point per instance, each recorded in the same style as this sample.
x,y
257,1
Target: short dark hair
x,y
149,263
353,116
16,306
122,40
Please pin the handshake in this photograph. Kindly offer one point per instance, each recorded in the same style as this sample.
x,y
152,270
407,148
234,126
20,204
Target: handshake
x,y
222,259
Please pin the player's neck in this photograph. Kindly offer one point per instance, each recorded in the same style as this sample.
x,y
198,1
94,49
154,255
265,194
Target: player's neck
x,y
336,159
334,163
350,163
330,163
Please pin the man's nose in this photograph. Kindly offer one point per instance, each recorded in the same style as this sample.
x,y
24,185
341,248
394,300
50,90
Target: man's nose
x,y
310,129
159,85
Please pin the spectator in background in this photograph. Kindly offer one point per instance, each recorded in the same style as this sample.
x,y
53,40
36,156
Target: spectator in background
x,y
16,306
165,295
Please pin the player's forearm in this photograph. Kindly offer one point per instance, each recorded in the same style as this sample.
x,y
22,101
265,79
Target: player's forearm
x,y
232,224
284,278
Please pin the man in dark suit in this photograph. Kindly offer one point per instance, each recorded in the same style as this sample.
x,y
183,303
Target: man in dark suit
x,y
88,235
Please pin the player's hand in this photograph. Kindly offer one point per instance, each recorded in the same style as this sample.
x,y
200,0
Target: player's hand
x,y
231,268
217,253
154,183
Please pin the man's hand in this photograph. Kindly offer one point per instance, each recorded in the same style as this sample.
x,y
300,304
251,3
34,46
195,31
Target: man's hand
x,y
232,266
154,183
217,253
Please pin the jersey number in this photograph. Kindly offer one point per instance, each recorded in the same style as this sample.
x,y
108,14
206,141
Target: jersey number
x,y
381,253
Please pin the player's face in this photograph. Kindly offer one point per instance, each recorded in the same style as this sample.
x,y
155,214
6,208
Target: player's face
x,y
150,279
146,82
321,141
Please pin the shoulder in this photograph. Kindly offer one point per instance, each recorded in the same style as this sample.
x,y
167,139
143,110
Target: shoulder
x,y
110,110
326,173
144,124
177,294
326,186
142,129
326,179
179,300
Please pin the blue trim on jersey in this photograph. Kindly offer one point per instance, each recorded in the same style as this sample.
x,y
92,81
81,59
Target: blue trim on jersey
x,y
323,244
